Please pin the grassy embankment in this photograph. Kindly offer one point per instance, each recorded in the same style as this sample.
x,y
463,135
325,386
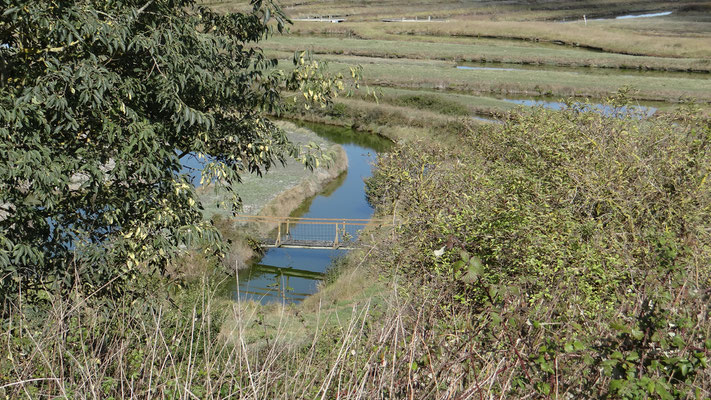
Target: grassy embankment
x,y
281,190
442,76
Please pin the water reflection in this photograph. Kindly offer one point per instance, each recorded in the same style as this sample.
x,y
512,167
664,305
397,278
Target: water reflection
x,y
269,283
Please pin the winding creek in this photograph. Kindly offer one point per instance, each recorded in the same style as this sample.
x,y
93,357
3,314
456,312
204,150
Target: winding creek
x,y
289,275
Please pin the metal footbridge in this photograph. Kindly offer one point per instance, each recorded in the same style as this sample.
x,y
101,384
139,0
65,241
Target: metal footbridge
x,y
309,233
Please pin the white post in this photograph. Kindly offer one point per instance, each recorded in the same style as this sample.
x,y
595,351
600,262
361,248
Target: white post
x,y
585,18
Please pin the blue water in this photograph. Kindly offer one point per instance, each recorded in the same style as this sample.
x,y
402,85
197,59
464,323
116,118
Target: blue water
x,y
192,166
345,198
471,68
604,109
650,15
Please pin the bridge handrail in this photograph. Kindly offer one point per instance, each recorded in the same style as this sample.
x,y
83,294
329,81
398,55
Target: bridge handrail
x,y
316,221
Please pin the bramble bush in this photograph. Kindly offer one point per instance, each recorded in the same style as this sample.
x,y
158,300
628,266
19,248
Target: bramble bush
x,y
574,244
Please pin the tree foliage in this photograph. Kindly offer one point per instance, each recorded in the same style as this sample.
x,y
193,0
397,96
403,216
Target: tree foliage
x,y
100,101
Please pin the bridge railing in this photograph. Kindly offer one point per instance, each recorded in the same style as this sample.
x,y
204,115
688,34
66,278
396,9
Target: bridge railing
x,y
309,232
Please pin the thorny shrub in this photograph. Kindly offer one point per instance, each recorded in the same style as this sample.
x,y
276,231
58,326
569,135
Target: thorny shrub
x,y
567,252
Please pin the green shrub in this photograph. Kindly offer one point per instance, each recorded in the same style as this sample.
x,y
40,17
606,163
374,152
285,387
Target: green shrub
x,y
579,242
432,102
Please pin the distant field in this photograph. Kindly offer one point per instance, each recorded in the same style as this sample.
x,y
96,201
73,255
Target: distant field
x,y
483,50
540,49
528,10
402,73
602,36
434,74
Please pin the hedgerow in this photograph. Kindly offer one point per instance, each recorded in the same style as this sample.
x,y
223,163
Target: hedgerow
x,y
576,245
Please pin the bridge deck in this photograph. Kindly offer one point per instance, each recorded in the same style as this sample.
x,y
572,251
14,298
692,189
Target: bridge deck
x,y
311,233
306,244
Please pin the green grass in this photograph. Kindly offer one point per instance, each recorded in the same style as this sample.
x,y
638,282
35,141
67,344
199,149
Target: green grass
x,y
477,105
404,73
386,119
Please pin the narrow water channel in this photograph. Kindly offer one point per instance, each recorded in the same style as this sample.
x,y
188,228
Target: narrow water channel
x,y
582,70
289,275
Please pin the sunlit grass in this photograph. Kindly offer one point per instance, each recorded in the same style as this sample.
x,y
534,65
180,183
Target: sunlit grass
x,y
403,73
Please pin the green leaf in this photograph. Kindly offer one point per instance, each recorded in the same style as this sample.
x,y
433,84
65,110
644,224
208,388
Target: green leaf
x,y
543,388
650,387
464,255
616,385
495,318
619,327
662,391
